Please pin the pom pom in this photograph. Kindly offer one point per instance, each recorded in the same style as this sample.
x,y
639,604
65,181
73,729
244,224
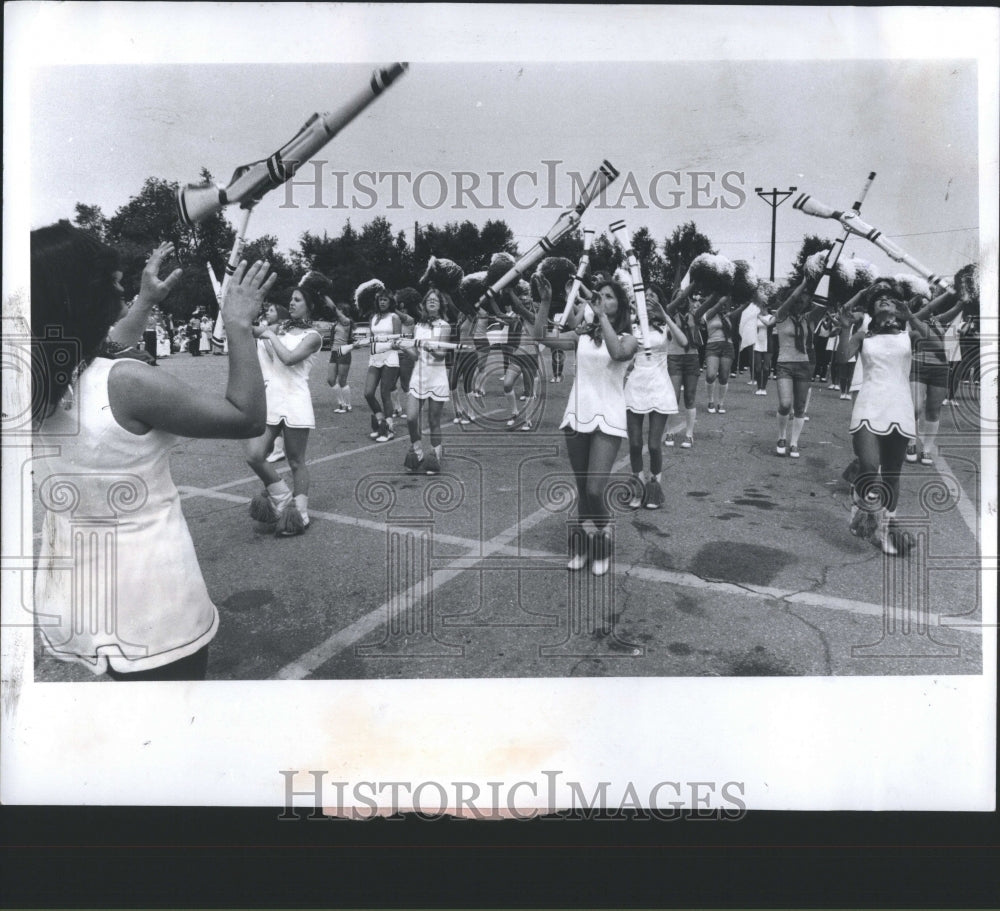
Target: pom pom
x,y
318,284
766,291
745,282
559,272
262,509
365,294
912,286
443,274
473,287
865,275
842,282
290,522
713,272
500,265
813,266
408,300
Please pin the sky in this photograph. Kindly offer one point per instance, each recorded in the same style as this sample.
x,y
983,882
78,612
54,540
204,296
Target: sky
x,y
692,139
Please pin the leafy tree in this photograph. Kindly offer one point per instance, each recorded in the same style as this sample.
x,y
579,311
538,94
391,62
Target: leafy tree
x,y
650,261
92,220
605,255
680,250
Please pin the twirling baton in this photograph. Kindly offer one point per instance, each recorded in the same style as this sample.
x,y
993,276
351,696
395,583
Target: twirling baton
x,y
581,271
219,332
638,288
821,295
597,184
251,181
855,225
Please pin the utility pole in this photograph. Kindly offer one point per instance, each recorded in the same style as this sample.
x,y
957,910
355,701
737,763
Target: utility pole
x,y
771,198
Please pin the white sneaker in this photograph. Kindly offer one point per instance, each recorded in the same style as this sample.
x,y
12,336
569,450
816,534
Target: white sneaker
x,y
277,455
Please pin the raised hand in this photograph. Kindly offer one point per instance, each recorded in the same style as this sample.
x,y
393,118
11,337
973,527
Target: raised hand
x,y
245,294
151,287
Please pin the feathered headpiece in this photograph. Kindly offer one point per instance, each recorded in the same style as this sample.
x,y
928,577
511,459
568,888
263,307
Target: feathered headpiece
x,y
365,294
713,273
318,284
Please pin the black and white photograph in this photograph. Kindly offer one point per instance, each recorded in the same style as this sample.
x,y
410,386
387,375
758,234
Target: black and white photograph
x,y
400,394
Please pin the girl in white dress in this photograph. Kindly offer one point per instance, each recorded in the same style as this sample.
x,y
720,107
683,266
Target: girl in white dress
x,y
428,383
649,391
295,345
104,462
595,420
882,420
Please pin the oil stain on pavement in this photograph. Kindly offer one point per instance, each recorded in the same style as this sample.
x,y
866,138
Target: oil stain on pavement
x,y
737,561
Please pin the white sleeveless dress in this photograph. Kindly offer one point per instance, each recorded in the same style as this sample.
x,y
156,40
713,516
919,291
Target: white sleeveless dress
x,y
288,398
118,581
885,402
648,387
597,399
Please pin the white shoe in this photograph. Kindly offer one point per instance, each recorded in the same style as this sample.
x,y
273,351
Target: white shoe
x,y
276,456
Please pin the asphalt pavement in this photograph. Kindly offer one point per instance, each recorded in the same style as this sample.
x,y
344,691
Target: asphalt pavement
x,y
748,569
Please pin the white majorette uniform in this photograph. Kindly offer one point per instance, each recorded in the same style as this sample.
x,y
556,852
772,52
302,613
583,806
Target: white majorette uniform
x,y
597,399
430,375
648,387
384,325
885,403
288,398
113,512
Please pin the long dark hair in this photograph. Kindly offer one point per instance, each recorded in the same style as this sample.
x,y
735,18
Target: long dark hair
x,y
622,321
74,302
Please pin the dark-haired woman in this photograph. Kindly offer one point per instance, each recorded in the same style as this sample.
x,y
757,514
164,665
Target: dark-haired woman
x,y
107,458
882,421
683,360
722,318
595,422
341,336
295,345
795,326
929,373
383,368
649,393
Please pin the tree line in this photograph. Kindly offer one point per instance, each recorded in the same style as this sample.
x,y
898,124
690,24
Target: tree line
x,y
356,255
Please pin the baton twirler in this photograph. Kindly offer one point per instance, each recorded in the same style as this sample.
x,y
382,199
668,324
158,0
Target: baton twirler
x,y
635,273
588,240
855,225
565,223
